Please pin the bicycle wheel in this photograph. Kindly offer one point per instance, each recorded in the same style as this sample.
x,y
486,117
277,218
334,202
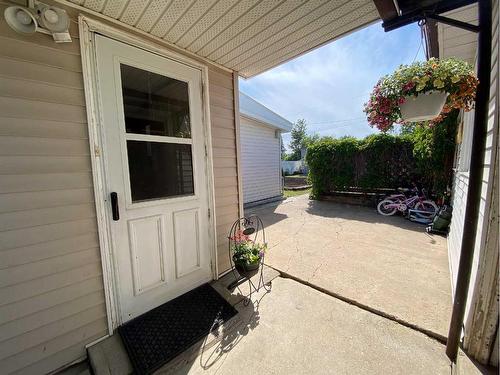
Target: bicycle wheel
x,y
386,207
428,206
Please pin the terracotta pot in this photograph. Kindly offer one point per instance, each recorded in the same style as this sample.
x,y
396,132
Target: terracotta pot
x,y
426,106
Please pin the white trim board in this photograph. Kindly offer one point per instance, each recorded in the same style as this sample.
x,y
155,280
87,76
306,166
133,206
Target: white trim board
x,y
236,97
263,123
88,27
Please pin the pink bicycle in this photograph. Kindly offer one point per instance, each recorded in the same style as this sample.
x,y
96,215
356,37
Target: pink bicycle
x,y
400,202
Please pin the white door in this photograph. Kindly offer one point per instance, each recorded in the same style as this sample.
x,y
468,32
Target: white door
x,y
156,170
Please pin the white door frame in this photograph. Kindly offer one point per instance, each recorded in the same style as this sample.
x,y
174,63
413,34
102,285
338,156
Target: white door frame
x,y
88,27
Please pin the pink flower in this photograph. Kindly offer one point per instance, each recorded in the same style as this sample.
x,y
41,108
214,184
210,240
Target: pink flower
x,y
239,236
409,86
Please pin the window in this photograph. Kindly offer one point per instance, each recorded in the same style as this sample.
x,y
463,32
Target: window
x,y
158,133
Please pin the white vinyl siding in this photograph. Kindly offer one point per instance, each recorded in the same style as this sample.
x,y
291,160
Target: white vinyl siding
x,y
51,291
460,187
461,180
260,156
455,42
486,247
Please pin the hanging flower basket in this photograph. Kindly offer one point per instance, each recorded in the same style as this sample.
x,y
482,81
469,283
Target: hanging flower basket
x,y
422,91
424,107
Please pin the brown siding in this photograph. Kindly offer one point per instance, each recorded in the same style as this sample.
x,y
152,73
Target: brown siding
x,y
225,163
51,292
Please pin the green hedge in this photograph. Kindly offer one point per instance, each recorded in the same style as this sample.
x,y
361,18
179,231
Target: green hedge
x,y
423,155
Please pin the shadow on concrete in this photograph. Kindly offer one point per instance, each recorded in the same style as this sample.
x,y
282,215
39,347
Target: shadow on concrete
x,y
212,351
360,213
466,365
225,337
231,336
267,213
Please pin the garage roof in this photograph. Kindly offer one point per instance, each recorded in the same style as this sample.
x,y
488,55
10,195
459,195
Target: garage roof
x,y
252,108
247,36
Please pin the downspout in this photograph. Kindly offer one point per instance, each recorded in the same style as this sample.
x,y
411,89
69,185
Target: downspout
x,y
475,179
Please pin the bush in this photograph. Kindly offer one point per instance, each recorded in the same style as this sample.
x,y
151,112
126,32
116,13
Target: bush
x,y
423,155
434,151
386,161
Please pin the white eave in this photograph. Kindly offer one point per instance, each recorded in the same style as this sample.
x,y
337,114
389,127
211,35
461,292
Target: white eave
x,y
246,36
251,108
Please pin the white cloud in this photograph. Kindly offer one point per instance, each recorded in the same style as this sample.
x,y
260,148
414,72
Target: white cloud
x,y
330,85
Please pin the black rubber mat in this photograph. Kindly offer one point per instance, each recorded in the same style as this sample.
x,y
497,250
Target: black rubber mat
x,y
161,334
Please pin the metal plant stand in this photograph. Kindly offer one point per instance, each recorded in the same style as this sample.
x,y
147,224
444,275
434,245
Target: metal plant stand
x,y
252,227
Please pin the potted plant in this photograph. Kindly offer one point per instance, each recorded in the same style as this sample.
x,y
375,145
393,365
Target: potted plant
x,y
247,254
422,91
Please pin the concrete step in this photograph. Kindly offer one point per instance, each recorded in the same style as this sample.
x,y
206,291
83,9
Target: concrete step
x,y
109,357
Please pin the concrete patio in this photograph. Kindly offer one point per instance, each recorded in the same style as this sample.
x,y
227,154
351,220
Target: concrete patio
x,y
386,264
295,329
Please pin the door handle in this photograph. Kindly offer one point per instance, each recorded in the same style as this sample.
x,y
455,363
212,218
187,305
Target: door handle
x,y
114,206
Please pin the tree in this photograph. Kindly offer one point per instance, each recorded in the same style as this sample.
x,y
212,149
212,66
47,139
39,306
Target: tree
x,y
300,139
298,133
310,139
283,149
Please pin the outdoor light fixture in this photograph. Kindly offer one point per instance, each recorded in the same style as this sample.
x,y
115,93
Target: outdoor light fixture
x,y
39,17
21,20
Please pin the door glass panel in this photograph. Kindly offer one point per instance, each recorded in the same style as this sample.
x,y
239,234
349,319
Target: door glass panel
x,y
159,170
154,104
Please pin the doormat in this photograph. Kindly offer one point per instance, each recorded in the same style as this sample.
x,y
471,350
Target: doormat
x,y
156,337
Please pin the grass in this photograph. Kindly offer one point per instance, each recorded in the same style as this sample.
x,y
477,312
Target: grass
x,y
294,193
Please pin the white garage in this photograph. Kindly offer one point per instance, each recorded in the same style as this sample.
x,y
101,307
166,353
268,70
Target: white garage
x,y
260,135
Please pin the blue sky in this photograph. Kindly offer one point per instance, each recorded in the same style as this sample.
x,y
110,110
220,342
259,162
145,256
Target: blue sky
x,y
328,86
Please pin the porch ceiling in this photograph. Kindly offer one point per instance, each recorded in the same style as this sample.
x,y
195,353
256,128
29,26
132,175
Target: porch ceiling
x,y
248,36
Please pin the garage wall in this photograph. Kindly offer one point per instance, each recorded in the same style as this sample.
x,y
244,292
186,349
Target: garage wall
x,y
260,161
51,290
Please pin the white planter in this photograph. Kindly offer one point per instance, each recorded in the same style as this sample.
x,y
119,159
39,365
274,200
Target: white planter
x,y
426,106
